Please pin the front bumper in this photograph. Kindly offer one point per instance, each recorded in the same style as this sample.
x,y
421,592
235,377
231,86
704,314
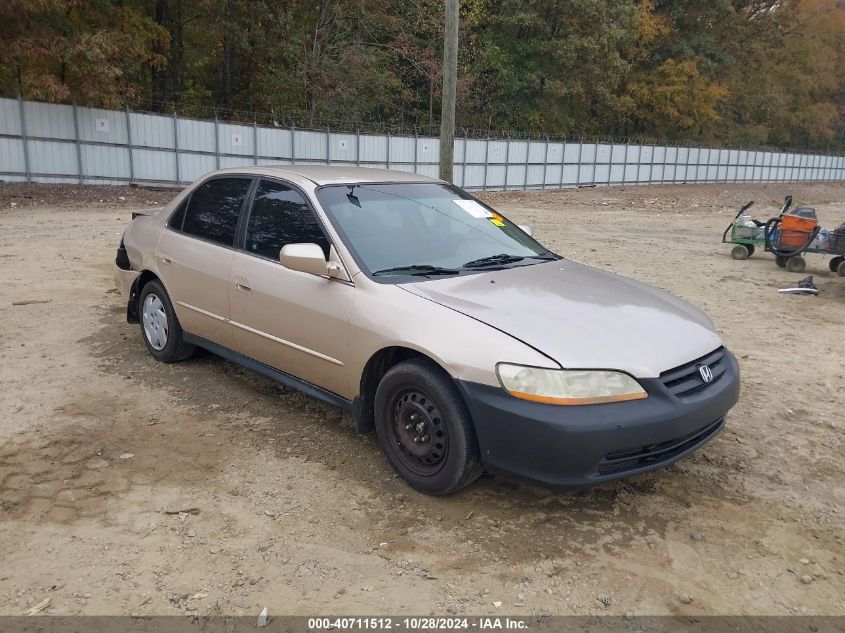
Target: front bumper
x,y
579,446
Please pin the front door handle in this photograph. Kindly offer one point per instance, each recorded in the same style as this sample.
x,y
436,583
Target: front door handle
x,y
242,284
165,259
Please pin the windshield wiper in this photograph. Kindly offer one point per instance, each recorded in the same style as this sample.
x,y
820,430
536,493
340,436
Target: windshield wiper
x,y
501,258
417,269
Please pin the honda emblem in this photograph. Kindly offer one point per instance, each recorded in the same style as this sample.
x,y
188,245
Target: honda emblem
x,y
706,374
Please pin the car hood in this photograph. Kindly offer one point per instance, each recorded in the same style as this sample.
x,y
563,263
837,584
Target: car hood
x,y
580,316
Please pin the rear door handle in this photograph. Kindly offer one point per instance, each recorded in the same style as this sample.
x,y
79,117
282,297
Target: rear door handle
x,y
242,284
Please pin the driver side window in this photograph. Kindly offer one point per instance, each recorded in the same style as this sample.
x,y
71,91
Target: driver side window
x,y
280,216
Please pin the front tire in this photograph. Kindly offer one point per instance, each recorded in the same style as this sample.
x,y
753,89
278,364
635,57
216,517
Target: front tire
x,y
160,328
425,429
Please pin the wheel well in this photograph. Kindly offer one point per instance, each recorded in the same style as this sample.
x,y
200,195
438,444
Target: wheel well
x,y
135,292
363,412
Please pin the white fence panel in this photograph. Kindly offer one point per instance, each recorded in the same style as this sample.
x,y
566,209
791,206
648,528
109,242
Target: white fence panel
x,y
63,143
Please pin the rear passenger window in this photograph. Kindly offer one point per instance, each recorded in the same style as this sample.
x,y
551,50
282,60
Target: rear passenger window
x,y
178,218
281,216
212,213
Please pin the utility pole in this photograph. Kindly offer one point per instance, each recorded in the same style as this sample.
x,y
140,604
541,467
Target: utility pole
x,y
450,78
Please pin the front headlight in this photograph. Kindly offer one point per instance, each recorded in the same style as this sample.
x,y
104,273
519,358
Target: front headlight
x,y
568,386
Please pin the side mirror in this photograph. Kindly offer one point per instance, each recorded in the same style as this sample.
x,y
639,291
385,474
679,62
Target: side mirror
x,y
305,258
526,228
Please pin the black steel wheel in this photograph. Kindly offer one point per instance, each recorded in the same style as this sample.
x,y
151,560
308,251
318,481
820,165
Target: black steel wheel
x,y
425,429
419,432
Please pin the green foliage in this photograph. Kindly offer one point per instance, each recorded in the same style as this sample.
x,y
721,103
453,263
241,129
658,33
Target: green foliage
x,y
726,71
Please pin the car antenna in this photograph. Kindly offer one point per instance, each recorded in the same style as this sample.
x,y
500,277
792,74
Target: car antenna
x,y
352,197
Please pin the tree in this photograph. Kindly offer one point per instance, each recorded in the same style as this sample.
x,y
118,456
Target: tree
x,y
94,52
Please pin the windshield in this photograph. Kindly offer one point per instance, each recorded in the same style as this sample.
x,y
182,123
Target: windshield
x,y
425,229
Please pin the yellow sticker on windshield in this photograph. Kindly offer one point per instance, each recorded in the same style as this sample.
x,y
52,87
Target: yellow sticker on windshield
x,y
497,222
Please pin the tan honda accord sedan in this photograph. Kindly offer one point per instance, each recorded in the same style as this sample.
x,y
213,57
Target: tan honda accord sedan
x,y
433,319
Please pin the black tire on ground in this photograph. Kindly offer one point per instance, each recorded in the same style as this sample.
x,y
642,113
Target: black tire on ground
x,y
740,252
174,348
833,264
796,264
425,429
780,261
840,270
750,248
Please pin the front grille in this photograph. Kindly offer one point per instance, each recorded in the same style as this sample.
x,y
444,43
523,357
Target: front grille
x,y
686,380
655,454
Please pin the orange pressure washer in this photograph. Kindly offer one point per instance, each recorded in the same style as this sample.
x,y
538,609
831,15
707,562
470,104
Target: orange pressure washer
x,y
797,231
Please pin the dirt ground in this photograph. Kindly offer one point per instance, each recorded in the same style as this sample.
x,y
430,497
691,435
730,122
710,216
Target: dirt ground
x,y
129,486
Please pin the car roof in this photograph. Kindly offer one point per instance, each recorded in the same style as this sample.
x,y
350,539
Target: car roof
x,y
330,174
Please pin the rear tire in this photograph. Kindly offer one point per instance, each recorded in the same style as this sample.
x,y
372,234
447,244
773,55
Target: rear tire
x,y
780,261
796,264
425,429
740,252
833,264
840,270
750,248
160,328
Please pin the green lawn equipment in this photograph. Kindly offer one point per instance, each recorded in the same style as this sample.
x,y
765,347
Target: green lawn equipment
x,y
746,232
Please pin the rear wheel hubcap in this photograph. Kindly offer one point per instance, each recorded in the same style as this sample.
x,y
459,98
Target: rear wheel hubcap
x,y
155,323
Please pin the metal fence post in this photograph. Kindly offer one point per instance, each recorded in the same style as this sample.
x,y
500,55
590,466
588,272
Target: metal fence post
x,y
625,165
387,158
595,179
328,146
464,165
563,164
416,144
78,144
254,142
216,142
507,161
24,139
486,162
176,146
129,144
357,146
651,165
525,175
545,163
639,160
738,159
292,144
